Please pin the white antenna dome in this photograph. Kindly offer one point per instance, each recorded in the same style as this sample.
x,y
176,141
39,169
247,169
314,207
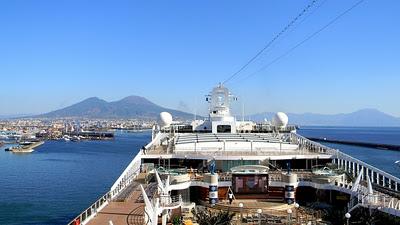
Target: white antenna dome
x,y
165,119
280,119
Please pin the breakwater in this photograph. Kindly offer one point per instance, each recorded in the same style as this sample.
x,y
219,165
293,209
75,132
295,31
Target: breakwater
x,y
358,143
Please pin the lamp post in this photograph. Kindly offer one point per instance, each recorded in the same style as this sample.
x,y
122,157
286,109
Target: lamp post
x,y
241,212
289,212
297,206
347,215
259,211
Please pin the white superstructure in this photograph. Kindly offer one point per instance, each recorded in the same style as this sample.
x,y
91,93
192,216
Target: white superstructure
x,y
268,160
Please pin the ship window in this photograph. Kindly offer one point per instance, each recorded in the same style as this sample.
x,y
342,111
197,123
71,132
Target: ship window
x,y
223,128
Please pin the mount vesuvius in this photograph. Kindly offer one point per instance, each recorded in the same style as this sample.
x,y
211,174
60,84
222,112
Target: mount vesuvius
x,y
130,107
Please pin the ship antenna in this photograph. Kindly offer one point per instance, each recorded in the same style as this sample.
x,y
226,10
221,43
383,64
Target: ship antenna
x,y
195,113
195,109
243,112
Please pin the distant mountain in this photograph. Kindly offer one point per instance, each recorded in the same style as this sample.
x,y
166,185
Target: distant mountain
x,y
364,117
129,107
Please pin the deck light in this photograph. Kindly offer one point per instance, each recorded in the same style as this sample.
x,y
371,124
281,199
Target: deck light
x,y
289,211
241,212
297,206
259,211
347,215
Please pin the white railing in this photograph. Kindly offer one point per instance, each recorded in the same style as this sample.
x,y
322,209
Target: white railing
x,y
377,201
90,212
342,156
172,203
132,170
129,174
244,153
123,181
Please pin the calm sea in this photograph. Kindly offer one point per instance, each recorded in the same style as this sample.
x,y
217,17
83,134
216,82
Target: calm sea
x,y
382,159
60,179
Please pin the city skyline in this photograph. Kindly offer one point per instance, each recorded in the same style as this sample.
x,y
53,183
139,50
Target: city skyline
x,y
55,54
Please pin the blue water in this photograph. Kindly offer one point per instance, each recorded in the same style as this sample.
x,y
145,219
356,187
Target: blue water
x,y
60,179
380,135
382,159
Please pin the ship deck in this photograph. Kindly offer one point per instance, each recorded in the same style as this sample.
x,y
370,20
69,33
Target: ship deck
x,y
205,146
219,154
251,146
129,212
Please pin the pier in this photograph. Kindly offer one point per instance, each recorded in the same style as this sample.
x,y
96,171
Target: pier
x,y
25,148
92,135
357,143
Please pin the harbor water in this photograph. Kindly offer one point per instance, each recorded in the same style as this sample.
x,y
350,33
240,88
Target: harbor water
x,y
382,159
60,179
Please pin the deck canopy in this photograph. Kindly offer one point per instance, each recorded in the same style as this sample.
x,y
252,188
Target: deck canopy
x,y
250,169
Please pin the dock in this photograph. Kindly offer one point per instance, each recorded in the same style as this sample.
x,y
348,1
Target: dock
x,y
357,143
25,148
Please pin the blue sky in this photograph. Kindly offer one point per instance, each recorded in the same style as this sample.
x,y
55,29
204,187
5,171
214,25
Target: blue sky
x,y
56,53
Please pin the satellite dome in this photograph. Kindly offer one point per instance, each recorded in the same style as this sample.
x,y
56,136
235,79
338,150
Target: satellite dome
x,y
165,119
280,119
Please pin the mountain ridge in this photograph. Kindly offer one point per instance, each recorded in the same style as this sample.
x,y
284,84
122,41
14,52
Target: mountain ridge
x,y
139,107
363,117
132,106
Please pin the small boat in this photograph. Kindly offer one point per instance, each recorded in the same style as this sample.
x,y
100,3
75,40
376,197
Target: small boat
x,y
397,163
25,143
3,136
66,138
75,138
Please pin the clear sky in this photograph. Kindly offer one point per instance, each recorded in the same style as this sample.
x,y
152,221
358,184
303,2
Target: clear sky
x,y
56,53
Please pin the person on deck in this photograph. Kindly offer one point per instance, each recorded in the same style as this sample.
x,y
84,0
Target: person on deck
x,y
230,197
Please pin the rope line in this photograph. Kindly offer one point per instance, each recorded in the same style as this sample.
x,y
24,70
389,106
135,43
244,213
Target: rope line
x,y
306,9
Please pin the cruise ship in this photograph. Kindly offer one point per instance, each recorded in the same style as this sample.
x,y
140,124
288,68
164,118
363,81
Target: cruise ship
x,y
272,175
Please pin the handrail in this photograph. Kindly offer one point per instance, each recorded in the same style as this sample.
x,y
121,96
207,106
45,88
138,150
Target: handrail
x,y
128,169
127,176
381,172
173,201
342,155
91,211
256,152
132,170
